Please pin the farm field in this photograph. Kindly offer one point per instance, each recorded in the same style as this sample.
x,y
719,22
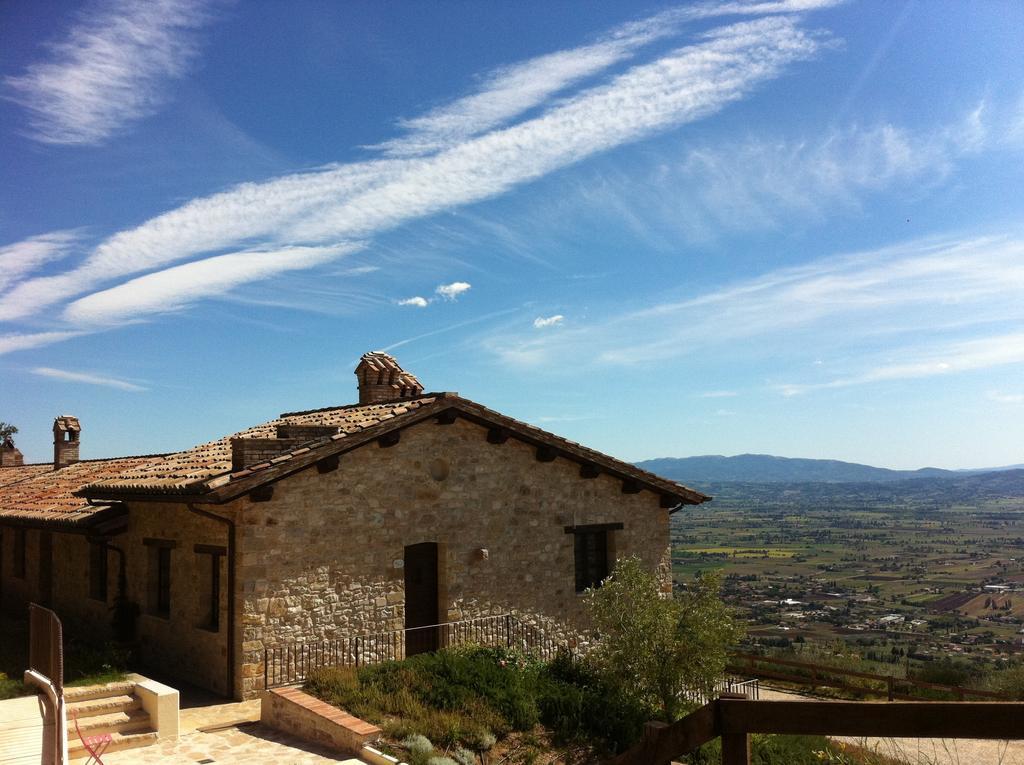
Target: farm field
x,y
896,585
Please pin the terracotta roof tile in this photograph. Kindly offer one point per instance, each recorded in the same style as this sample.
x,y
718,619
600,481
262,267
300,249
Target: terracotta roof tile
x,y
174,472
9,475
208,467
40,493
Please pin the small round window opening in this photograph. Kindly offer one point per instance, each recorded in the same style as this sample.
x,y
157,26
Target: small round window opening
x,y
439,469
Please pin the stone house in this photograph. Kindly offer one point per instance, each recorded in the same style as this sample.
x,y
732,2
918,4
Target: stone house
x,y
406,509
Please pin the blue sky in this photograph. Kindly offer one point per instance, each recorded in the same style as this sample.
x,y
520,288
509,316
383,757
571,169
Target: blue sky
x,y
789,227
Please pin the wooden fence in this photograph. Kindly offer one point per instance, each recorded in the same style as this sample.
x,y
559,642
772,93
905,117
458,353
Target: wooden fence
x,y
735,718
821,675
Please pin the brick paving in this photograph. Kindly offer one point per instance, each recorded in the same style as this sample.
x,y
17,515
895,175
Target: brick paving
x,y
252,744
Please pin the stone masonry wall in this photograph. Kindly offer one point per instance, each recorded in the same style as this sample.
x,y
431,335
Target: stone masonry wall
x,y
15,591
318,560
180,645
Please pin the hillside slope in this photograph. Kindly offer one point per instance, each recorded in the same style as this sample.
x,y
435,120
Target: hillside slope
x,y
765,468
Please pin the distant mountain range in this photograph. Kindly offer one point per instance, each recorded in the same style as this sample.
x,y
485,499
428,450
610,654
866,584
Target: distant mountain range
x,y
765,468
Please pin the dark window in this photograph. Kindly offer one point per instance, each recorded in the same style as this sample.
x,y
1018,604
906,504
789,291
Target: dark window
x,y
98,571
163,581
591,558
208,558
214,623
19,553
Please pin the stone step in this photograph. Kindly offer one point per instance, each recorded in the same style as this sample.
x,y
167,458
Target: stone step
x,y
119,741
134,721
87,692
103,706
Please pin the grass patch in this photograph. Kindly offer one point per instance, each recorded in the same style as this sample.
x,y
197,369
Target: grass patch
x,y
84,663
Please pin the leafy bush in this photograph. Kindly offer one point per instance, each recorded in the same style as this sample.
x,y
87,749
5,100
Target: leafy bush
x,y
470,697
794,750
1010,682
10,688
579,704
454,697
654,648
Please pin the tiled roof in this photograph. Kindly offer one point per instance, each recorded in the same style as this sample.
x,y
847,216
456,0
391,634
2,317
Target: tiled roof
x,y
9,475
207,469
40,493
189,470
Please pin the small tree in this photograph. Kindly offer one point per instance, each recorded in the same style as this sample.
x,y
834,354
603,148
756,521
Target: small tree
x,y
654,647
6,429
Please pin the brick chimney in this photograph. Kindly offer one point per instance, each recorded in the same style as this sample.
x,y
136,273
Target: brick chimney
x,y
381,379
65,441
9,454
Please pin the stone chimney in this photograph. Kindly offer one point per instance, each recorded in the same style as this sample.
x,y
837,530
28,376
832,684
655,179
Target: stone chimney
x,y
381,380
9,454
66,431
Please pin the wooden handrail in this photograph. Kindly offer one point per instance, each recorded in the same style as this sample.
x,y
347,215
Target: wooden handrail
x,y
734,719
663,742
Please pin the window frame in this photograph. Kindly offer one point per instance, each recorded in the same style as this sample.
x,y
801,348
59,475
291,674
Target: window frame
x,y
19,562
160,576
211,583
593,553
99,570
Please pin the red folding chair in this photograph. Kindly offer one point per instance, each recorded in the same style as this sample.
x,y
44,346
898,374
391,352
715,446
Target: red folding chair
x,y
94,745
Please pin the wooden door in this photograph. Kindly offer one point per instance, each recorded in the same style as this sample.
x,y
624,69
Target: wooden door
x,y
421,598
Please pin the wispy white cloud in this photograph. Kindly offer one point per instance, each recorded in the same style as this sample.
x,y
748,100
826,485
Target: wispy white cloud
x,y
944,359
1006,398
512,90
453,290
109,70
682,86
417,301
24,257
761,182
542,322
732,183
24,341
87,378
958,291
353,202
177,287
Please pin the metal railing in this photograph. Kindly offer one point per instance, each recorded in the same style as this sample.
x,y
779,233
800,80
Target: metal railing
x,y
749,688
292,663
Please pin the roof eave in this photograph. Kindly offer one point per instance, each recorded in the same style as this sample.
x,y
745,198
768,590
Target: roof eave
x,y
225,487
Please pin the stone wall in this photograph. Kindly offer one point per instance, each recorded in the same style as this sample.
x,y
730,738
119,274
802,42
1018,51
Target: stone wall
x,y
318,561
180,645
17,591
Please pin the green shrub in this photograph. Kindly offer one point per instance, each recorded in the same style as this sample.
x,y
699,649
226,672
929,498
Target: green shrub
x,y
1010,682
578,703
459,697
472,697
11,688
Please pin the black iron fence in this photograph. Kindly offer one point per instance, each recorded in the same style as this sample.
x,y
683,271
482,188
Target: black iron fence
x,y
292,663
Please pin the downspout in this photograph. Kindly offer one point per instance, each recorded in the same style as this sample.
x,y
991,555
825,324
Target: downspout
x,y
231,589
